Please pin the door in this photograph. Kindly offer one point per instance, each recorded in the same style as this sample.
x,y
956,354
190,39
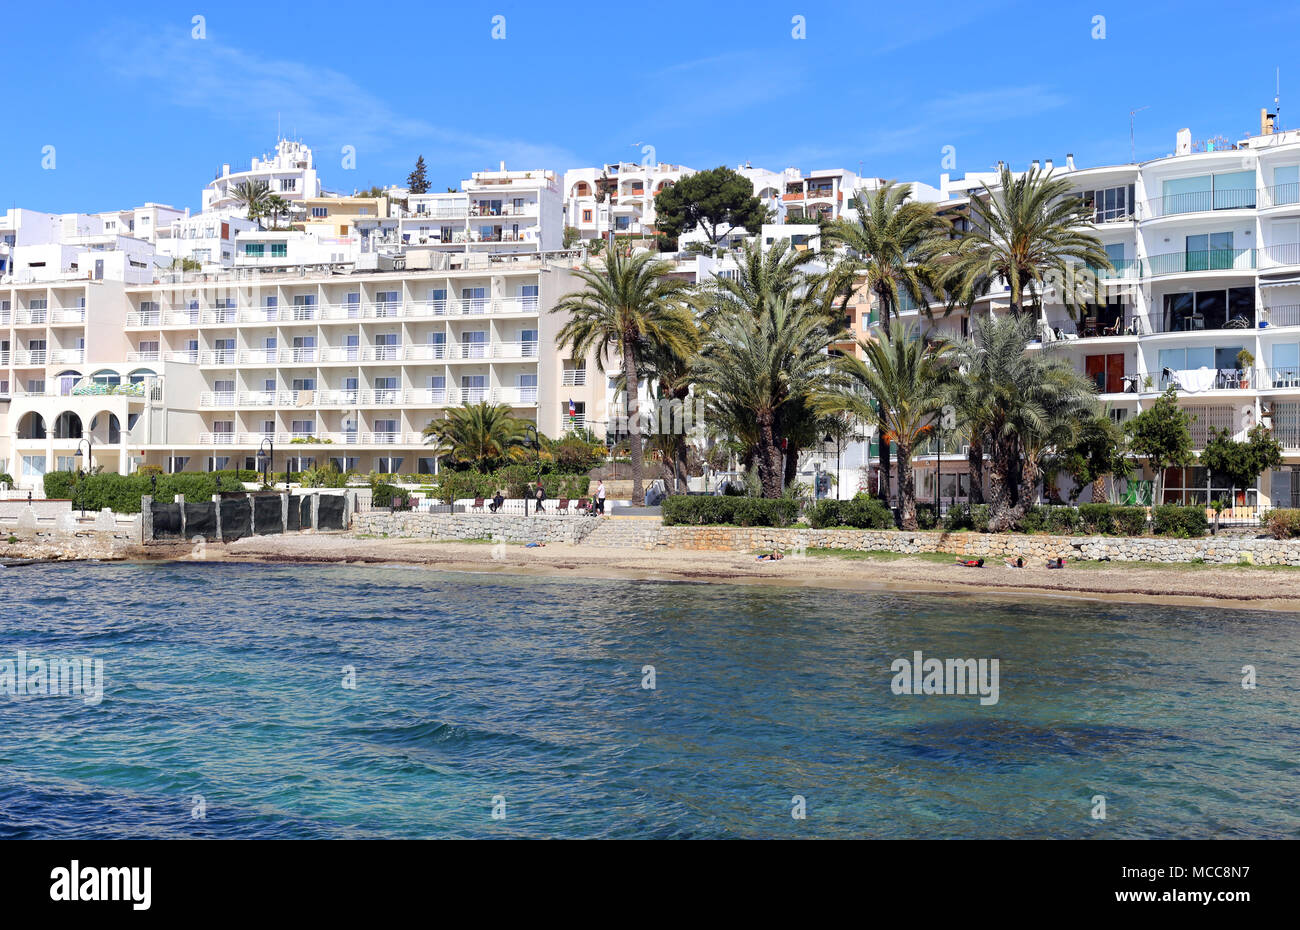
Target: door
x,y
1115,373
1094,366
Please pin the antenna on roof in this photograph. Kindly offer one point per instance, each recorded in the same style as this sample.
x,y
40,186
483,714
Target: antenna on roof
x,y
1132,146
1277,102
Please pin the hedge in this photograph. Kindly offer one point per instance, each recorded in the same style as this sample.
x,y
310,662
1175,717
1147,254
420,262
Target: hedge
x,y
1177,520
1283,523
517,481
859,513
697,510
122,493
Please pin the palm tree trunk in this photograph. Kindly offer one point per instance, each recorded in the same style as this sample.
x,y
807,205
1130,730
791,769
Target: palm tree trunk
x,y
633,419
769,455
791,464
886,491
1001,487
1099,490
975,463
906,488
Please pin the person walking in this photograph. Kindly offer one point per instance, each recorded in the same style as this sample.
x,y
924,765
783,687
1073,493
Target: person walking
x,y
600,498
540,495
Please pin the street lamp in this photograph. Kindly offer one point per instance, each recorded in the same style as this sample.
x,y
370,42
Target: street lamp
x,y
265,459
90,447
837,439
534,440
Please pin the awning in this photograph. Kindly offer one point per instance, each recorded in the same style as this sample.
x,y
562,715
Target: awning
x,y
1288,281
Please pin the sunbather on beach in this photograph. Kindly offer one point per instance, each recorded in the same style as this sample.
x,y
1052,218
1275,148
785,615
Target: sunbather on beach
x,y
971,563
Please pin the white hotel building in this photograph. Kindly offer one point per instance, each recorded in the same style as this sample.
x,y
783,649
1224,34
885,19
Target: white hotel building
x,y
332,356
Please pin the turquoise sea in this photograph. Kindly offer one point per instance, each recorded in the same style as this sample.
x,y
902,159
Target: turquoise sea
x,y
224,711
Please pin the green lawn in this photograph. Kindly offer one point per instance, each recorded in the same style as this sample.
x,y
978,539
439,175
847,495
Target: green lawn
x,y
879,555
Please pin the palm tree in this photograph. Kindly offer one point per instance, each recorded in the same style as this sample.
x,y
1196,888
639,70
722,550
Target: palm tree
x,y
896,247
757,371
761,276
483,435
907,379
253,197
896,244
1030,232
672,373
276,207
628,302
1030,402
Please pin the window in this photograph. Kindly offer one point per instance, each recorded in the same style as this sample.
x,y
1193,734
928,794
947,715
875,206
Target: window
x,y
1286,184
288,184
279,249
255,249
320,211
302,427
586,216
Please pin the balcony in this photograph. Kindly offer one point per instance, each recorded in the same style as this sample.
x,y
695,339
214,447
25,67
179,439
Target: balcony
x,y
381,353
1285,378
185,356
29,356
515,395
37,317
220,316
1118,325
67,356
430,397
1123,269
1286,253
259,357
425,353
152,355
217,399
1201,202
1281,315
1201,261
575,377
217,439
1279,195
151,318
68,316
257,398
219,357
383,398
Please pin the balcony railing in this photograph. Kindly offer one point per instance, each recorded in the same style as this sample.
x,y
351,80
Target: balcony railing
x,y
69,315
1202,260
71,357
217,439
187,356
381,398
1282,315
220,317
1286,377
29,356
1285,253
1196,322
217,399
1201,202
37,317
219,357
1123,269
515,395
1279,195
381,353
152,355
575,377
257,398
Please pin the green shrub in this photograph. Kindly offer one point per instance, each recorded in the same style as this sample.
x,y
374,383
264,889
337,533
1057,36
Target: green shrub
x,y
867,513
698,510
1097,519
1130,521
1283,523
381,495
967,517
1062,520
1176,520
927,517
6,479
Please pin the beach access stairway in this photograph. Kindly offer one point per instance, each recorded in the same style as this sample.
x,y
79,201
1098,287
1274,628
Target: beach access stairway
x,y
619,532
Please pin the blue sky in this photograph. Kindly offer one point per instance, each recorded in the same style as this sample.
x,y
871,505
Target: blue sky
x,y
137,109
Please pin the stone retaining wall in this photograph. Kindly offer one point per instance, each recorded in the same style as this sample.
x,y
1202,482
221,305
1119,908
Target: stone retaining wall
x,y
82,543
548,528
991,546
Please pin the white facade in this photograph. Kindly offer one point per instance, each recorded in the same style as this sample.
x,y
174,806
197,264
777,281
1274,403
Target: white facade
x,y
288,172
506,212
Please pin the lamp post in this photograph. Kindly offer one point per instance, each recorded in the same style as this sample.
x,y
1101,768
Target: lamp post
x,y
90,463
265,459
839,446
535,441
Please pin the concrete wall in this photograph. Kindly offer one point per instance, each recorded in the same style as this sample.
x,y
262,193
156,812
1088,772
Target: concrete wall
x,y
508,527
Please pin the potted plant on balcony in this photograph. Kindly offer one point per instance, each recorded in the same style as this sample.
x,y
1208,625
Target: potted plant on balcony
x,y
1245,361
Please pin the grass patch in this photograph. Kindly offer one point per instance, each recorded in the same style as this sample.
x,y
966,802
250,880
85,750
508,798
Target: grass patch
x,y
881,555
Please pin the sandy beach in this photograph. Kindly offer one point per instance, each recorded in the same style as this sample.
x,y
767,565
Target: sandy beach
x,y
1240,586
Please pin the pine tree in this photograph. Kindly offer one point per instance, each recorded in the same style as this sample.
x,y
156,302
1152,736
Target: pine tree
x,y
417,182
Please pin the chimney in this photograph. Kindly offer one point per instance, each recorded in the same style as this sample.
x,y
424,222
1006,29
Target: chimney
x,y
1069,161
1033,165
503,167
1184,146
225,171
1048,164
1265,122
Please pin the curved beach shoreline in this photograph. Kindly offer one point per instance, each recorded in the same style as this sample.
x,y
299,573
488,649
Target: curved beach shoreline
x,y
1243,587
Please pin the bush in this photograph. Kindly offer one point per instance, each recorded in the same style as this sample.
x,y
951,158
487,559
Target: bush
x,y
696,510
381,495
927,517
1097,519
967,517
1130,521
1176,520
6,478
865,513
1283,523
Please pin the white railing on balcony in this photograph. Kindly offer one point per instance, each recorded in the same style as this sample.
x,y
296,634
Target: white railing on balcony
x,y
257,398
1281,378
217,439
473,395
514,350
340,311
31,318
298,355
1283,253
4,359
381,398
515,395
217,399
259,356
183,318
29,356
385,439
219,357
340,354
69,315
384,310
150,356
429,352
384,353
575,377
149,318
429,397
1279,195
190,356
217,317
471,350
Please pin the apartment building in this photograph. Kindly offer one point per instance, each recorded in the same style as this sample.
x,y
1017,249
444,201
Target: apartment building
x,y
627,206
502,212
289,172
1205,245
